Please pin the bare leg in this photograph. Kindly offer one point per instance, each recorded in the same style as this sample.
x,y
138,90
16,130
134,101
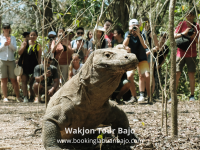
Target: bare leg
x,y
19,80
16,87
141,82
31,85
123,90
192,81
4,82
147,79
24,84
132,84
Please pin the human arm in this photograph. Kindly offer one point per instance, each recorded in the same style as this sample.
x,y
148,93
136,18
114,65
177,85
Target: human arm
x,y
38,77
13,44
70,74
39,55
127,39
22,48
55,86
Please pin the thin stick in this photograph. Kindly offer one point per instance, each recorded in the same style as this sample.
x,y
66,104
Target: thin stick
x,y
45,67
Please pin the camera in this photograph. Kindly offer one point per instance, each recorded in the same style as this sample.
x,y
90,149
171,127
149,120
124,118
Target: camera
x,y
134,28
51,39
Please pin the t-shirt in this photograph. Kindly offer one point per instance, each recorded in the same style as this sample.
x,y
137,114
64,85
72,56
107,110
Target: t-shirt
x,y
76,71
115,43
136,47
39,70
109,37
192,50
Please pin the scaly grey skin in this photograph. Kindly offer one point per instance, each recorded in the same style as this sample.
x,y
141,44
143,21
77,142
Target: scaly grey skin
x,y
83,102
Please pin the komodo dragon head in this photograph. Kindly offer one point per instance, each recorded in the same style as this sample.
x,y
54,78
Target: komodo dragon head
x,y
110,62
114,60
102,72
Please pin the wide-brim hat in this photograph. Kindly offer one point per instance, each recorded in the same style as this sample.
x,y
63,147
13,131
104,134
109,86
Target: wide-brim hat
x,y
100,28
5,25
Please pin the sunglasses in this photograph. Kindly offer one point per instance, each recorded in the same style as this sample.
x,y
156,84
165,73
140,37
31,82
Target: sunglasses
x,y
80,33
6,27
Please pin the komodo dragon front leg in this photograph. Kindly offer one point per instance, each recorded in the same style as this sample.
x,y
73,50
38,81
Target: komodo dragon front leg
x,y
52,125
118,119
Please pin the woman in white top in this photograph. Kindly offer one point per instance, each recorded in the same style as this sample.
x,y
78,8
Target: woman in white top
x,y
75,65
7,61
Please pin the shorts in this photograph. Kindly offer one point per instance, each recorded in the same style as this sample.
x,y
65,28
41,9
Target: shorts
x,y
64,71
190,61
143,67
7,69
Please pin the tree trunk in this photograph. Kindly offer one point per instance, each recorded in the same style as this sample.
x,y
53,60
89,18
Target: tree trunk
x,y
174,102
120,9
48,17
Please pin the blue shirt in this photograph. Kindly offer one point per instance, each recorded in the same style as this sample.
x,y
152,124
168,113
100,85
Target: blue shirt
x,y
136,47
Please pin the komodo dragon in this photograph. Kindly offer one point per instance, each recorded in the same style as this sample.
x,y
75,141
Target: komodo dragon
x,y
83,102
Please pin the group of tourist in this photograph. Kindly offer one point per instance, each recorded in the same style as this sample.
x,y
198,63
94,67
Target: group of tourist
x,y
67,52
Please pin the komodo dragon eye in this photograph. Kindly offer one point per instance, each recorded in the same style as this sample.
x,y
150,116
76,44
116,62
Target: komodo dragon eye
x,y
108,54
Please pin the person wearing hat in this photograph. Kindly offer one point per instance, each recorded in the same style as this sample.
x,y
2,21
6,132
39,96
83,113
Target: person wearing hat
x,y
187,57
51,37
8,46
100,41
136,42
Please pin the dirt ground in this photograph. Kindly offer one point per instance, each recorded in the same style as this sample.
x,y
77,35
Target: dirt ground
x,y
18,122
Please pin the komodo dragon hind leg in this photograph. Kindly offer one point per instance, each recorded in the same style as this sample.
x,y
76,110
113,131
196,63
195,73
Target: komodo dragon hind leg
x,y
119,121
50,135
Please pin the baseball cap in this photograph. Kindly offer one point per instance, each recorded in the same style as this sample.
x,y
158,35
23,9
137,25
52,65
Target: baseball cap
x,y
5,25
52,32
133,22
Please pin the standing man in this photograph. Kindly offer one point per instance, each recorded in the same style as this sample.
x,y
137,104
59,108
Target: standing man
x,y
188,57
136,42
